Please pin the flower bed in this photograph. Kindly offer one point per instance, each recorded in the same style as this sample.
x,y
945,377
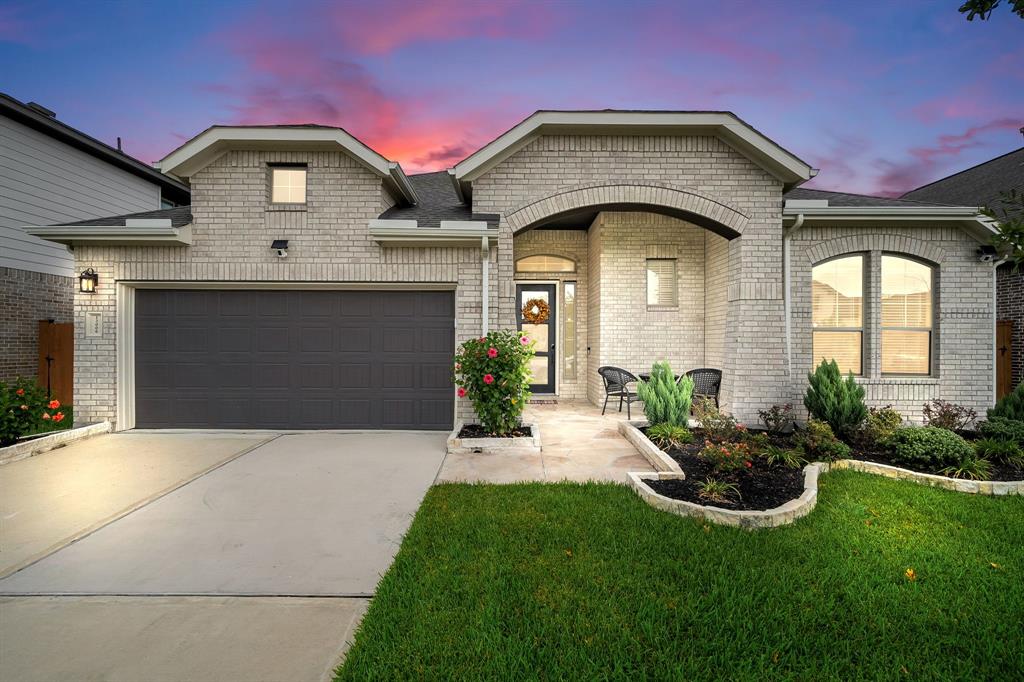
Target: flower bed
x,y
475,439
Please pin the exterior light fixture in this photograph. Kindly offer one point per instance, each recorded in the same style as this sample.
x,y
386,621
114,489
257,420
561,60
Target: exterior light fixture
x,y
987,253
281,246
87,281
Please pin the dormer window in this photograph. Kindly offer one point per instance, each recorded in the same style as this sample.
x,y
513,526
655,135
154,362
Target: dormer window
x,y
288,184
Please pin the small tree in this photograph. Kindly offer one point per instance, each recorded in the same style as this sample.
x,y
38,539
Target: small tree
x,y
665,400
493,372
1010,406
838,402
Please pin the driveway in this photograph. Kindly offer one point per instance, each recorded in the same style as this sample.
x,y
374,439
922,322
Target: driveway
x,y
256,566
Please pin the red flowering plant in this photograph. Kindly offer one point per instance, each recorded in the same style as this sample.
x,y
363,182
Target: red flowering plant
x,y
25,410
727,456
493,371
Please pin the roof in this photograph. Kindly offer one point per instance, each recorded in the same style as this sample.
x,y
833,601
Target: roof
x,y
34,117
724,124
979,185
179,216
848,199
437,202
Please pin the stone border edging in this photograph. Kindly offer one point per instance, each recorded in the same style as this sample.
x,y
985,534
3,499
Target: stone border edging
x,y
651,452
36,446
517,444
960,485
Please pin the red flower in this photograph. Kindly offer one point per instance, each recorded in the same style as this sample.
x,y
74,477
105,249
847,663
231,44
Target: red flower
x,y
46,415
54,404
20,391
59,417
461,392
749,464
482,339
523,340
488,379
492,352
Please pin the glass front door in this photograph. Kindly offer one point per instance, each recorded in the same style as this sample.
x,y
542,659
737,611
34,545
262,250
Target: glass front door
x,y
537,319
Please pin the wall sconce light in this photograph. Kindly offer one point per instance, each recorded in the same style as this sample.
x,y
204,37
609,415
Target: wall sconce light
x,y
281,246
87,281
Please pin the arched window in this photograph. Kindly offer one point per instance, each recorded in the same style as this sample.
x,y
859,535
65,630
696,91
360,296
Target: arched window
x,y
545,264
907,305
837,312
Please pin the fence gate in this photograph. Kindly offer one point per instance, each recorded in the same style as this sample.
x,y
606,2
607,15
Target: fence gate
x,y
1004,357
56,359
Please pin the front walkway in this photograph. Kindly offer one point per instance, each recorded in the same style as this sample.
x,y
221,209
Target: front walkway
x,y
577,444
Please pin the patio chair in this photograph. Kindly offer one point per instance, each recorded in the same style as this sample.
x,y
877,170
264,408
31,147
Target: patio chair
x,y
616,384
706,383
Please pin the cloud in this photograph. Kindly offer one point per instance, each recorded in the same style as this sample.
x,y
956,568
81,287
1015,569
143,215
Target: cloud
x,y
447,155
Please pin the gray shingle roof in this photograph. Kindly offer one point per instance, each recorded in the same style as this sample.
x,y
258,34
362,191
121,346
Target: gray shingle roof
x,y
438,201
979,185
847,199
179,215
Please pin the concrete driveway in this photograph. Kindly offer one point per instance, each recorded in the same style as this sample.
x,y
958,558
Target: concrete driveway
x,y
254,564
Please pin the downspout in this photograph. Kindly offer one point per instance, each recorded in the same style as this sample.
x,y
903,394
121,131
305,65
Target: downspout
x,y
995,329
786,295
485,277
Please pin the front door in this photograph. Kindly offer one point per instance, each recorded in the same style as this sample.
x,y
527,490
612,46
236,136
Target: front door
x,y
537,318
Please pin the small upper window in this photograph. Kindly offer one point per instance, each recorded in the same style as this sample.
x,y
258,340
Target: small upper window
x,y
545,264
661,282
287,185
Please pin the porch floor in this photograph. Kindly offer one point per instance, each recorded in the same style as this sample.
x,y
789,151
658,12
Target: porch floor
x,y
577,444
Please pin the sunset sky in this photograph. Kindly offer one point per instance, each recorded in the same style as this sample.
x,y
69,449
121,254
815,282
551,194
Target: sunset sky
x,y
881,96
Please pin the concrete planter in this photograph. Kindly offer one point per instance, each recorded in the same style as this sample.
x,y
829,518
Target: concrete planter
x,y
35,446
651,452
959,485
516,445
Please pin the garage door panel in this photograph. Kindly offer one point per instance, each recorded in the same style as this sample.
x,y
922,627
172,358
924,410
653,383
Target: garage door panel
x,y
399,340
434,340
272,375
273,339
437,376
354,375
316,339
355,340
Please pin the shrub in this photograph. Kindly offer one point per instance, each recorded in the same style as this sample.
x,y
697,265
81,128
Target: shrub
x,y
717,491
787,458
928,447
1001,428
1004,451
971,466
493,372
24,410
667,436
881,423
1010,406
818,442
835,400
949,416
777,418
665,400
727,456
718,426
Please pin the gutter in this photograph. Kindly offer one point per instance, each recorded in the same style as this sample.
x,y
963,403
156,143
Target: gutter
x,y
114,235
787,295
400,179
995,329
399,233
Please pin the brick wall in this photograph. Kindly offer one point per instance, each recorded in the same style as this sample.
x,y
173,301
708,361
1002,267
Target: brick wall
x,y
1010,306
25,298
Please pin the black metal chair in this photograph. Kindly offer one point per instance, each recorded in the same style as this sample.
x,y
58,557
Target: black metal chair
x,y
706,383
616,384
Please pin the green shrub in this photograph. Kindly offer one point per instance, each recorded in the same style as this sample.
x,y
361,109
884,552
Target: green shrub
x,y
1004,451
949,416
928,447
718,426
881,423
1001,428
727,456
835,400
667,436
788,458
493,372
1011,406
971,466
717,491
665,400
25,410
777,418
818,442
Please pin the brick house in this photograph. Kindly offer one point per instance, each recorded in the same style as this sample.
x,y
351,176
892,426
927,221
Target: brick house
x,y
312,284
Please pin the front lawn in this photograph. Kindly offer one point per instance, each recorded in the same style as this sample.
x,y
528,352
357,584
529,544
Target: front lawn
x,y
884,580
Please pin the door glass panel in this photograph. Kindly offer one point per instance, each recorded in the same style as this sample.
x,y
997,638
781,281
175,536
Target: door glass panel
x,y
569,331
539,333
539,369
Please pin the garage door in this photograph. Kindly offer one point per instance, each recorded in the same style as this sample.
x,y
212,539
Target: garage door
x,y
294,359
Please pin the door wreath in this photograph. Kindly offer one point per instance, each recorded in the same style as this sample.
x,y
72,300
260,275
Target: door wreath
x,y
536,311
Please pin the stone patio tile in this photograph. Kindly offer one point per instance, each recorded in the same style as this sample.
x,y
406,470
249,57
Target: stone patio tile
x,y
491,468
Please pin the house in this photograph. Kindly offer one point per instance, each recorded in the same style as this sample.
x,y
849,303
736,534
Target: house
x,y
312,284
983,185
51,173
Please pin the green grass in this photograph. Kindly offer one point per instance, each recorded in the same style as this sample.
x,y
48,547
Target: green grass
x,y
587,582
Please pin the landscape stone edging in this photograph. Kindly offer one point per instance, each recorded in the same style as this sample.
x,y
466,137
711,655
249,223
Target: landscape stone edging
x,y
960,485
517,444
36,446
651,452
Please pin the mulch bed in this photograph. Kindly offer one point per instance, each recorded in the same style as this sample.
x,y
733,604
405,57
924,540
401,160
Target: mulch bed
x,y
478,431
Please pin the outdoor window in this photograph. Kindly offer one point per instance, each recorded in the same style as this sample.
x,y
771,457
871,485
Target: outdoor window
x,y
545,264
288,184
837,317
569,331
906,316
661,282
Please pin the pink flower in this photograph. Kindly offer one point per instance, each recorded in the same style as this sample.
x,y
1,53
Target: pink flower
x,y
523,340
20,391
59,417
54,404
749,464
488,379
492,352
461,392
45,415
458,365
482,339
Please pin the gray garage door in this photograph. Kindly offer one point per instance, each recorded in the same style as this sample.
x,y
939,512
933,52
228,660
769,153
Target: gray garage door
x,y
294,359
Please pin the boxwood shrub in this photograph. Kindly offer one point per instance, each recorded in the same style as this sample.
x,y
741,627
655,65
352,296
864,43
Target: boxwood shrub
x,y
1001,428
928,447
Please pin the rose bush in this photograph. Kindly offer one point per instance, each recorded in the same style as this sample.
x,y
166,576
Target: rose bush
x,y
25,410
493,372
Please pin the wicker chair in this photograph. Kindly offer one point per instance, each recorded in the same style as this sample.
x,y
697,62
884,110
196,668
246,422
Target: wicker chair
x,y
616,384
706,383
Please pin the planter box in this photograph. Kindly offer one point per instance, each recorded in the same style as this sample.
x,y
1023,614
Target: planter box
x,y
35,446
515,445
960,485
657,458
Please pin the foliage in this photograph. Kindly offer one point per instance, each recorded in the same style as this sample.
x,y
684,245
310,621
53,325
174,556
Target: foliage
x,y
714,490
667,436
775,455
665,400
949,416
881,423
777,418
1011,405
818,442
1005,451
493,371
972,466
983,8
835,400
718,426
1009,239
756,441
727,456
26,410
928,447
1001,428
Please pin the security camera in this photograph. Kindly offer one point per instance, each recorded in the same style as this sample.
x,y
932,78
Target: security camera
x,y
987,253
281,246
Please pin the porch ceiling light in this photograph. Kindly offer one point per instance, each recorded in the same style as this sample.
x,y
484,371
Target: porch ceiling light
x,y
87,281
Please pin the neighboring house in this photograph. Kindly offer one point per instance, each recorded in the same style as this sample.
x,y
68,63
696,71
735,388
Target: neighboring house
x,y
52,173
313,285
983,185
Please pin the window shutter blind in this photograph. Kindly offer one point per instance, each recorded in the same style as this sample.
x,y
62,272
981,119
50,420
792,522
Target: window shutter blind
x,y
661,281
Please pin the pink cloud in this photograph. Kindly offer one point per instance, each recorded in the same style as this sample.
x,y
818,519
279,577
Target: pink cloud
x,y
14,28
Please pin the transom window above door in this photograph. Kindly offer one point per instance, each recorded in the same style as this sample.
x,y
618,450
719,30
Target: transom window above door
x,y
545,264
